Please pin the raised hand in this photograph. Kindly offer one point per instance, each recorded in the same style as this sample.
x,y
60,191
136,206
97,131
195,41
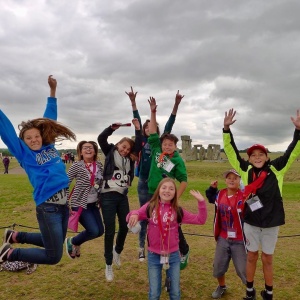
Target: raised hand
x,y
229,118
197,195
296,120
178,98
115,126
214,184
152,103
52,84
136,124
131,95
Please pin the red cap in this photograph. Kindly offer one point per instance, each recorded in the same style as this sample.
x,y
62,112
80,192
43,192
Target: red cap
x,y
257,146
231,171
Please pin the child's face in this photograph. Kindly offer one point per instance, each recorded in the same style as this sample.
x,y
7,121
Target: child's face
x,y
167,191
232,181
88,152
147,129
258,158
124,148
33,139
168,146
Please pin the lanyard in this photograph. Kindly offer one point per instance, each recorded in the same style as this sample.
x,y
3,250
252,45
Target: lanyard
x,y
163,231
92,173
230,207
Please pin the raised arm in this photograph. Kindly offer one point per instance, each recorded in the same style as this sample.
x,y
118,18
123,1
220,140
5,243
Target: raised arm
x,y
229,119
171,121
51,108
200,218
132,97
153,123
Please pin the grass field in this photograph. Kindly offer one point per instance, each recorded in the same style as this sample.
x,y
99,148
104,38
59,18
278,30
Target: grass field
x,y
84,278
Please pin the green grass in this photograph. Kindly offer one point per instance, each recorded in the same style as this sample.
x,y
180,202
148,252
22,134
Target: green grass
x,y
84,278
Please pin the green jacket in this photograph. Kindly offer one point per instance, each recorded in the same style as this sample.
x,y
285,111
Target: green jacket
x,y
270,194
178,171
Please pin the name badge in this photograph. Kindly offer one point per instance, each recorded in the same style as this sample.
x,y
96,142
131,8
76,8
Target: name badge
x,y
254,203
231,233
168,166
164,259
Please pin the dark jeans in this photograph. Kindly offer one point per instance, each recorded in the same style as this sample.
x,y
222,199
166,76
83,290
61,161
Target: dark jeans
x,y
5,169
90,219
53,223
144,197
112,204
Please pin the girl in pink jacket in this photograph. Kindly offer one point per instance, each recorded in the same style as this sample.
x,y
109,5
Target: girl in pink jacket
x,y
164,216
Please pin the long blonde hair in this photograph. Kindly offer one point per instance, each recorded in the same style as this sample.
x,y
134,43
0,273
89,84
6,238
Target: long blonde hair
x,y
154,201
50,130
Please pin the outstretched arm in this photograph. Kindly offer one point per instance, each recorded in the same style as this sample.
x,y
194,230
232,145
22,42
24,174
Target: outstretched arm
x,y
178,99
171,121
153,123
229,118
132,97
51,108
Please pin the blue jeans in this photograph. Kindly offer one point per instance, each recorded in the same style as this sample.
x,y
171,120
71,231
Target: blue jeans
x,y
155,274
112,204
144,197
91,220
53,223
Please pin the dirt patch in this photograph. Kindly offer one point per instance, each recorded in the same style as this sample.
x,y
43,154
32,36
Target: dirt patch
x,y
16,170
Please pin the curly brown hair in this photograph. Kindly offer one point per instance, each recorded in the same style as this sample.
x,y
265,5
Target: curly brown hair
x,y
51,131
79,149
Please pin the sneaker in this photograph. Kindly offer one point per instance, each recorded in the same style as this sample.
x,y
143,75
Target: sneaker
x,y
265,295
4,251
77,251
142,254
116,257
218,292
70,248
252,297
184,261
109,274
7,236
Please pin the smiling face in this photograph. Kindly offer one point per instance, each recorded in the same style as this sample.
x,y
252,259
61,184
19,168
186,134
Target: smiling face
x,y
168,146
124,148
167,191
258,158
232,182
33,139
87,152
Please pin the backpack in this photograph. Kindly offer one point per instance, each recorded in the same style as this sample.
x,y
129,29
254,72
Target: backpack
x,y
179,213
15,266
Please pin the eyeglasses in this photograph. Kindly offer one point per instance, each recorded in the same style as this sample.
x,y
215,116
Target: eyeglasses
x,y
87,148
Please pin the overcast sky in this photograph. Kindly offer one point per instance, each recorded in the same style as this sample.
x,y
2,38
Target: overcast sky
x,y
219,54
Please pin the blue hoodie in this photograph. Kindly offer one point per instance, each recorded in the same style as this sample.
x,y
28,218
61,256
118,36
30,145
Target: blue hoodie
x,y
45,170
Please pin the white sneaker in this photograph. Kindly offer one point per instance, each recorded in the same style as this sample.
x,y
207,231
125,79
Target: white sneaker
x,y
141,254
116,258
109,274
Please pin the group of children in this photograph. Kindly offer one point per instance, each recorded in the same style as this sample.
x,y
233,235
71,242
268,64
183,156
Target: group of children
x,y
244,218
